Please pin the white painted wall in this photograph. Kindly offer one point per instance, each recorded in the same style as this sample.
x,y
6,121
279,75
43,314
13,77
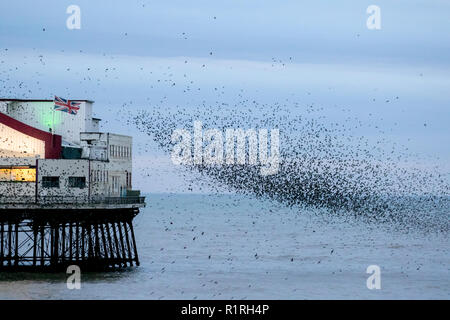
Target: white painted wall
x,y
95,145
63,169
13,190
120,151
107,178
17,162
19,144
118,165
99,178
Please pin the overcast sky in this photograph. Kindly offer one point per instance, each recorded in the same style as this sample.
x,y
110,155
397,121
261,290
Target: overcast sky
x,y
314,52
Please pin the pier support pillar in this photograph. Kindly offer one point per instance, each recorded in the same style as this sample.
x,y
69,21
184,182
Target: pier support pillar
x,y
53,240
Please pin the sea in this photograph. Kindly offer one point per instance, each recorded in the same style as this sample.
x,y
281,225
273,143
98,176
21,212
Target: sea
x,y
230,246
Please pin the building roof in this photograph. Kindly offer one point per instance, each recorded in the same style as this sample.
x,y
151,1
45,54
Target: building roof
x,y
41,100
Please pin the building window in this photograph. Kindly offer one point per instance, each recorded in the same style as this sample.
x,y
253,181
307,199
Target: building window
x,y
77,182
96,176
18,174
129,180
115,184
50,182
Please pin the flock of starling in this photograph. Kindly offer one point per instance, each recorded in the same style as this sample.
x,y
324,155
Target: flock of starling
x,y
323,164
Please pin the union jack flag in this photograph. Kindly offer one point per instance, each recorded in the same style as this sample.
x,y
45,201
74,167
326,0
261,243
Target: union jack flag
x,y
68,106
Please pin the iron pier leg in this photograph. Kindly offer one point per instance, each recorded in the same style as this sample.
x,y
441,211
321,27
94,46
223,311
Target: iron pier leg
x,y
134,242
2,230
63,241
89,230
9,243
111,251
55,245
35,240
82,241
105,251
97,242
77,241
70,242
124,223
119,258
16,254
42,244
124,255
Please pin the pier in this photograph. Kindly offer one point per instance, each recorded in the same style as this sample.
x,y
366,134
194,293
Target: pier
x,y
52,233
66,195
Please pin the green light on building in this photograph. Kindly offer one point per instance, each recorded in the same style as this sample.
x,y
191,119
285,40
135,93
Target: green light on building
x,y
49,118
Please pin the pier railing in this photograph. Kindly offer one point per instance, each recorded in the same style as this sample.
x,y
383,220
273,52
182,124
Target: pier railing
x,y
48,200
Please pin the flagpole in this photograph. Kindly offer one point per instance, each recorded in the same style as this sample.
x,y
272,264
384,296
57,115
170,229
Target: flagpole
x,y
53,123
53,117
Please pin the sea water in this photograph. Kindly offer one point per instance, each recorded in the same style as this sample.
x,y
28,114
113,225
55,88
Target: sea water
x,y
231,246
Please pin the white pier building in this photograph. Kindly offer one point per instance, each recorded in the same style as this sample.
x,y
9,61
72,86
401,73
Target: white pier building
x,y
66,192
50,154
